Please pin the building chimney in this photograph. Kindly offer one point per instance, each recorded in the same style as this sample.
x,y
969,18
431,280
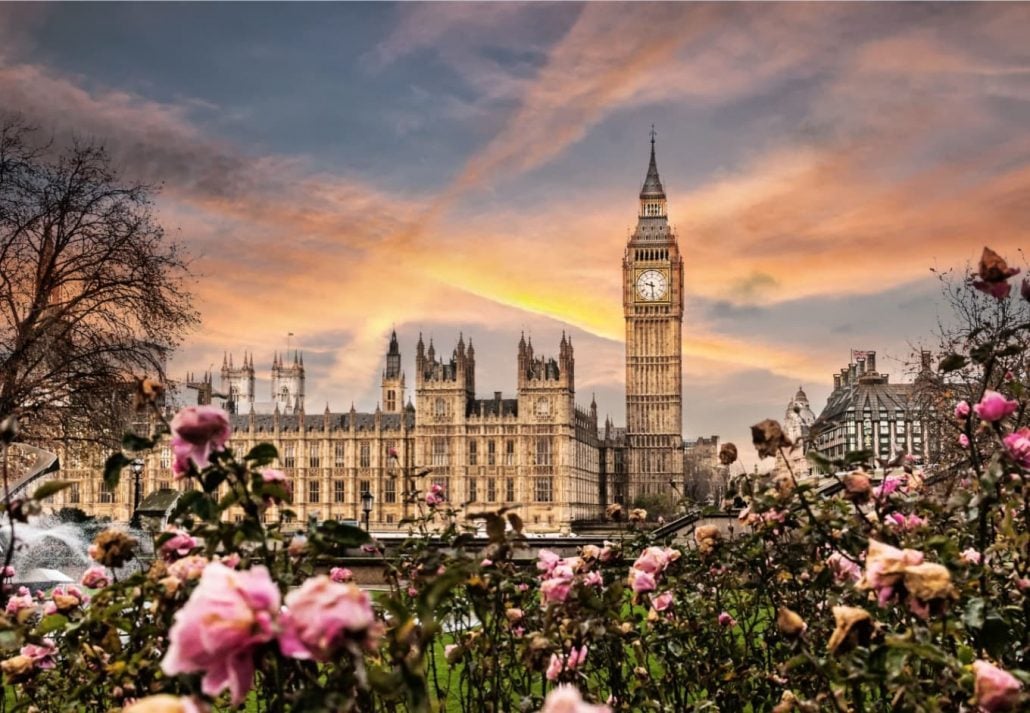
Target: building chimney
x,y
836,381
870,361
860,366
925,360
497,396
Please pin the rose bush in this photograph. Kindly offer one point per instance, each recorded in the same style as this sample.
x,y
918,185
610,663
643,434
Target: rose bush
x,y
862,591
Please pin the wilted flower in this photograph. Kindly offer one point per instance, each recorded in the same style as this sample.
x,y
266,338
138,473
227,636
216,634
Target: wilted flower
x,y
656,559
994,406
567,699
65,598
769,438
637,515
8,429
1017,444
927,582
996,688
340,574
18,668
148,392
164,703
970,556
857,487
728,454
112,548
613,512
321,614
593,579
189,567
707,537
789,622
95,577
197,431
228,615
513,614
994,273
854,628
22,601
885,567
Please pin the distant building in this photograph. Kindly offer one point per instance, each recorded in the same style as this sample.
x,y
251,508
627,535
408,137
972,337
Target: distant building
x,y
537,450
866,411
797,424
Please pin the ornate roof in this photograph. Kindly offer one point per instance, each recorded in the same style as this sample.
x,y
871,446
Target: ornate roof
x,y
652,183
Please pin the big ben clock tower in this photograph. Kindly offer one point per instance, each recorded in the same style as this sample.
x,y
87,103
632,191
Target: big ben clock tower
x,y
652,299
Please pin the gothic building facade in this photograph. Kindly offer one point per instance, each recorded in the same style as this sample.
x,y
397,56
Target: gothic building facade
x,y
537,450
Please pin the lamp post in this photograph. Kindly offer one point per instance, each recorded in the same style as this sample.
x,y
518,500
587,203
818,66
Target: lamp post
x,y
366,506
137,471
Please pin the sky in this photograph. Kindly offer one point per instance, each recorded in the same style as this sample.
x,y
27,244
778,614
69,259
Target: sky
x,y
340,170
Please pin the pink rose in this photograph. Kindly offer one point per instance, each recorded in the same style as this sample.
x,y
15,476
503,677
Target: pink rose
x,y
593,579
435,496
641,581
18,602
95,577
554,667
970,556
994,406
726,620
963,440
165,703
321,614
662,602
566,699
844,569
228,615
43,655
905,523
196,432
546,560
996,688
577,657
7,572
340,574
655,559
555,590
1018,446
275,477
178,545
962,410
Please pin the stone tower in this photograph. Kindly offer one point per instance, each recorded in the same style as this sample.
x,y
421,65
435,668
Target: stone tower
x,y
288,383
393,379
652,299
546,386
238,383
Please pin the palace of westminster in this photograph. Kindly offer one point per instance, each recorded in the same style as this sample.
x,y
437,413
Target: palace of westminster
x,y
538,451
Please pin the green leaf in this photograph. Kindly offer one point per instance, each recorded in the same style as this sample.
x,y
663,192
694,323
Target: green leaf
x,y
113,469
132,442
51,623
262,454
996,635
952,362
50,488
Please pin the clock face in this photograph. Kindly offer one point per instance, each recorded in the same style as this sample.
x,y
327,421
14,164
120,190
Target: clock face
x,y
652,285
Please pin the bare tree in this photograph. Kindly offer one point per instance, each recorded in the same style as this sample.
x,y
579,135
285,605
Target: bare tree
x,y
995,334
91,291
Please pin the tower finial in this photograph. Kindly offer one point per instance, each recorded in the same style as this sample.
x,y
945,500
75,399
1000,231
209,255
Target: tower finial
x,y
653,135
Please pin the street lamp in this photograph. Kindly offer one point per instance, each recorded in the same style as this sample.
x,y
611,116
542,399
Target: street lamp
x,y
366,506
137,471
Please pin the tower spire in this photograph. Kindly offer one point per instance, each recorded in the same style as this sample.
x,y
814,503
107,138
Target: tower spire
x,y
652,183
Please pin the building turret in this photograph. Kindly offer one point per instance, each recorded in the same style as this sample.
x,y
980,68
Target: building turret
x,y
237,383
288,383
393,378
